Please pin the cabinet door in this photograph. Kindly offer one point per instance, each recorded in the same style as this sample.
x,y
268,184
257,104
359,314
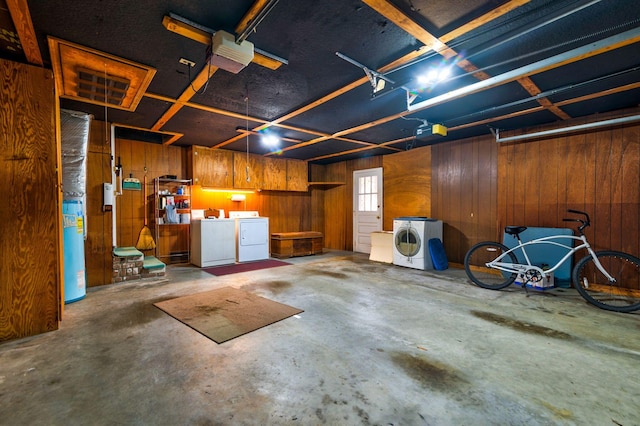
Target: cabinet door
x,y
247,175
297,175
212,167
275,174
31,243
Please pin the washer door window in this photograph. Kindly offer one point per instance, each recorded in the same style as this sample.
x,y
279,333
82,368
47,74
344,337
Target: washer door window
x,y
408,242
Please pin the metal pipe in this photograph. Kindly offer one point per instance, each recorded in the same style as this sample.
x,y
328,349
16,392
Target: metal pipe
x,y
256,21
597,124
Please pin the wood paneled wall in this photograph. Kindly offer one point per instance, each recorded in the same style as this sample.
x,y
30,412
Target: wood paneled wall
x,y
97,247
597,172
30,225
407,185
338,201
463,193
287,211
139,159
475,186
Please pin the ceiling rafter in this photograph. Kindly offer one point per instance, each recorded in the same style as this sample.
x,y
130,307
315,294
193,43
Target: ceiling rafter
x,y
201,79
204,37
21,17
476,23
395,15
207,71
226,113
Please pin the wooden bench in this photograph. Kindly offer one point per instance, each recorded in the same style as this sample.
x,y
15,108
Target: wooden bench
x,y
291,244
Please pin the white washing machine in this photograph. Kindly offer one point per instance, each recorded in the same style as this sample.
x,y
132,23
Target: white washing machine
x,y
213,242
410,237
252,236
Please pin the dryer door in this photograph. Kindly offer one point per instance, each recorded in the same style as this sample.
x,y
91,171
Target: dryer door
x,y
253,232
407,241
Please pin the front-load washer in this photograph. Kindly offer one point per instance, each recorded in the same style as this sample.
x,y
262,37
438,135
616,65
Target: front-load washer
x,y
410,237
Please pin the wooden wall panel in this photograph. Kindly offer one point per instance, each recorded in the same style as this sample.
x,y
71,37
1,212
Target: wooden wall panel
x,y
98,245
631,179
317,174
337,207
617,160
338,201
597,172
287,211
407,185
30,265
463,193
139,159
601,215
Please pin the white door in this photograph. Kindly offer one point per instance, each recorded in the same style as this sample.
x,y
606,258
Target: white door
x,y
367,207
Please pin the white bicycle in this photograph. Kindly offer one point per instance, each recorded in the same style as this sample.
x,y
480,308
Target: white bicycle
x,y
607,279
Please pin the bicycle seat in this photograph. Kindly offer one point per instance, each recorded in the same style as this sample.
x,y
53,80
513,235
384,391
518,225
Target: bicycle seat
x,y
514,230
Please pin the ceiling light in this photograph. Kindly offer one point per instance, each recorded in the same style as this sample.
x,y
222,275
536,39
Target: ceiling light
x,y
434,76
270,140
444,74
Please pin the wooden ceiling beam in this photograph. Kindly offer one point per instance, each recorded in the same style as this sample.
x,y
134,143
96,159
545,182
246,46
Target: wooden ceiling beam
x,y
21,17
253,12
612,91
395,15
482,20
201,79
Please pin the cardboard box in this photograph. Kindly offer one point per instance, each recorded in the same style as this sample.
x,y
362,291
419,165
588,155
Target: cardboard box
x,y
547,283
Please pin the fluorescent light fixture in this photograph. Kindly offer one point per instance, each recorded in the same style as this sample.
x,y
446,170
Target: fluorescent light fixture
x,y
229,191
238,197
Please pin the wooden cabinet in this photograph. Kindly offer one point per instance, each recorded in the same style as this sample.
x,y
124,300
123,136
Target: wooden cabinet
x,y
275,174
218,168
297,175
212,167
248,171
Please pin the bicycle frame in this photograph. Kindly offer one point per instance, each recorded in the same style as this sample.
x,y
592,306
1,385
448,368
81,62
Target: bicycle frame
x,y
518,268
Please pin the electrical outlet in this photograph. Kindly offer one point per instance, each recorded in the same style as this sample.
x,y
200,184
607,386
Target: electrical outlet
x,y
184,61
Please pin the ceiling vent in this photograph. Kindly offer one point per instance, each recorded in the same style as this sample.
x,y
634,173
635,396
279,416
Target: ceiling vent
x,y
88,75
229,55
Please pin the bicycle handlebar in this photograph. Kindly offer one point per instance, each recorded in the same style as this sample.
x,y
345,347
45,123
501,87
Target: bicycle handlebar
x,y
585,222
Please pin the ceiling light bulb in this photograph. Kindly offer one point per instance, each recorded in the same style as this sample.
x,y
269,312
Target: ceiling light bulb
x,y
444,74
270,140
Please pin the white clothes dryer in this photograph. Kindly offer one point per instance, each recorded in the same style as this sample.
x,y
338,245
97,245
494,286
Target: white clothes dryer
x,y
410,237
252,236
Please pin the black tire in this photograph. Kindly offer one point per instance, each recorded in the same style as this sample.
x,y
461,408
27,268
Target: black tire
x,y
475,265
620,296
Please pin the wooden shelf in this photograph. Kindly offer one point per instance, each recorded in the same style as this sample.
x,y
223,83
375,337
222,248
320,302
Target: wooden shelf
x,y
326,183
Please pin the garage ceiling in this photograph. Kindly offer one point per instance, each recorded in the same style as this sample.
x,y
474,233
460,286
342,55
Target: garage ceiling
x,y
316,79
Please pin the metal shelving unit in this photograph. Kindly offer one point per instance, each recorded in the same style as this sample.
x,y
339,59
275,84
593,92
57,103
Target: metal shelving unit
x,y
172,236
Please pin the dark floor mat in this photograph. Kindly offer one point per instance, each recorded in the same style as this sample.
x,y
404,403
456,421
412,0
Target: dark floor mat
x,y
244,267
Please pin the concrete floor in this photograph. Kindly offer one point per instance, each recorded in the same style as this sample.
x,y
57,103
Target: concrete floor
x,y
377,344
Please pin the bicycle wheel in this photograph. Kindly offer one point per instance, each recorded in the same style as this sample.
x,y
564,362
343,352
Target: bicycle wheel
x,y
623,295
475,264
